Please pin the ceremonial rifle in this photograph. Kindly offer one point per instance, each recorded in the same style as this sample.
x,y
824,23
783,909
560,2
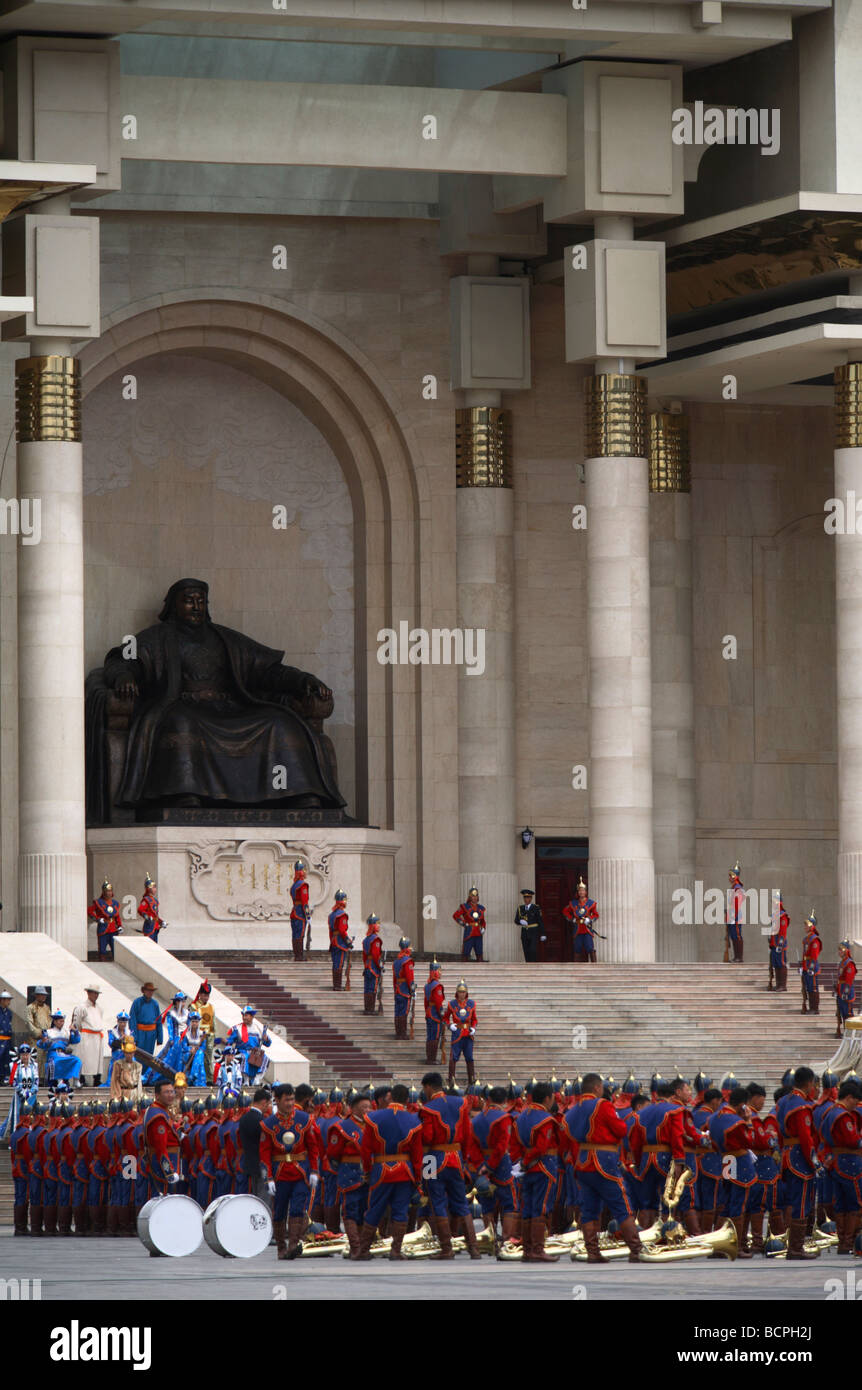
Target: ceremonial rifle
x,y
442,1040
382,964
307,928
412,1011
347,981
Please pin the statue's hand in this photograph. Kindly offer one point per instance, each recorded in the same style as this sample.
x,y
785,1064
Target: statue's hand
x,y
128,690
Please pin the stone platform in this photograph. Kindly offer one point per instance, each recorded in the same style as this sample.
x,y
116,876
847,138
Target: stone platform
x,y
228,887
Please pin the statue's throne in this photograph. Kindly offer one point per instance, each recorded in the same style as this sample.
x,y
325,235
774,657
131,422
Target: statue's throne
x,y
108,718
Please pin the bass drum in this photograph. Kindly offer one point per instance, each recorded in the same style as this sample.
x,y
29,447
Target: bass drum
x,y
237,1226
171,1225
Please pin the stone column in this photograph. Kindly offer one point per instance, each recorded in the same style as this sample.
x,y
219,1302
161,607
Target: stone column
x,y
52,865
622,874
672,680
486,702
848,654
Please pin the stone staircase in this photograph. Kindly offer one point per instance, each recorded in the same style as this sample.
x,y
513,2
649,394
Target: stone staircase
x,y
544,1019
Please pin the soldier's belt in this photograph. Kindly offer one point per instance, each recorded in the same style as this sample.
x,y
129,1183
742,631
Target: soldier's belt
x,y
656,1149
5,1037
601,1148
546,1153
441,1148
392,1158
857,1152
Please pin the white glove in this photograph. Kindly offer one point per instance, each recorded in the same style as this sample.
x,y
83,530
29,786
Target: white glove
x,y
270,1187
453,1029
314,1179
174,1177
472,1031
516,1170
543,938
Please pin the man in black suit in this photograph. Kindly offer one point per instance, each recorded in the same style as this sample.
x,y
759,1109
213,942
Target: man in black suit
x,y
249,1132
529,919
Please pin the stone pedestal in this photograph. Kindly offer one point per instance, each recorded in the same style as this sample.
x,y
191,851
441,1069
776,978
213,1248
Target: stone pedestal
x,y
229,889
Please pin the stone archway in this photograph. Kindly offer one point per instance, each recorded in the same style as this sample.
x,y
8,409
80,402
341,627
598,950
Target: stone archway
x,y
341,393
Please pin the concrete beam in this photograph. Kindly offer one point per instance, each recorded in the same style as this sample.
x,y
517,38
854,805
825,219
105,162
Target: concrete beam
x,y
621,25
205,121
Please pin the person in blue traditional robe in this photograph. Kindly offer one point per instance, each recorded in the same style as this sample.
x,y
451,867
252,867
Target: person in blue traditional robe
x,y
61,1065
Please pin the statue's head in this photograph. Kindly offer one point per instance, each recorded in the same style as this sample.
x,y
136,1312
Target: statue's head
x,y
187,601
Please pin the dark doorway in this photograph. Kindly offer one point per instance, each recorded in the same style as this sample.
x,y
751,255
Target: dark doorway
x,y
559,865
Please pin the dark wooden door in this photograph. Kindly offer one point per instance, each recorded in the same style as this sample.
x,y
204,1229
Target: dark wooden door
x,y
559,865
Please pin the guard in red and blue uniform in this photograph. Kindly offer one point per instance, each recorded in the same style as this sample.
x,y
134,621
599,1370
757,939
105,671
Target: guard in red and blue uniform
x,y
372,963
148,909
81,1169
65,1174
290,1151
764,1199
162,1142
492,1131
340,944
21,1155
538,1136
581,911
344,1152
435,1004
99,1160
598,1131
811,948
208,1165
800,1163
841,1132
845,988
732,1135
460,1018
325,1117
300,911
471,917
734,915
658,1139
38,1174
823,1183
778,948
391,1150
403,986
447,1139
105,912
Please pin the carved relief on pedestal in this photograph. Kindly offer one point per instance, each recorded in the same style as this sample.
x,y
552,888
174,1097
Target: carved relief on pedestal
x,y
249,880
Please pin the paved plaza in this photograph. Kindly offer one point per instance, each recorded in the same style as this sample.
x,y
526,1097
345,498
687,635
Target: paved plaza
x,y
116,1270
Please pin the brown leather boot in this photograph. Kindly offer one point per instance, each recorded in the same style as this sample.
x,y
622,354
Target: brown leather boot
x,y
757,1233
470,1237
96,1220
279,1229
444,1235
815,1002
36,1221
451,1077
471,1073
366,1240
537,1253
336,979
591,1241
50,1216
430,1052
19,1217
782,981
740,1224
511,1226
691,1221
295,1228
368,1003
777,1225
628,1231
397,1230
332,1219
351,1230
796,1242
113,1223
804,1008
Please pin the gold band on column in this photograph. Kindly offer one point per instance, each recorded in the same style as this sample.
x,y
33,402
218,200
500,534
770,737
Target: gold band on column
x,y
669,464
483,447
615,424
48,400
848,406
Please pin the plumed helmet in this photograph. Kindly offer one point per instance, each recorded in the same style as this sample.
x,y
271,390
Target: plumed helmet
x,y
115,1107
404,943
728,1082
788,1078
845,945
413,1094
336,1095
702,1082
211,1102
319,1098
340,896
655,1080
85,1110
300,866
829,1079
811,920
198,1108
372,920
736,870
514,1090
630,1085
98,1107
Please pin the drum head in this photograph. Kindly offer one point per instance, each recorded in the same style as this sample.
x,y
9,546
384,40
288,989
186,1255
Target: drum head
x,y
238,1226
171,1225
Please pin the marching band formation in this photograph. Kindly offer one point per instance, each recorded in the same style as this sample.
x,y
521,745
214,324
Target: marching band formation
x,y
536,1158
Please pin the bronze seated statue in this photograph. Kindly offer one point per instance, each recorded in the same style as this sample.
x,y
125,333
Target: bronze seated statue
x,y
197,715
